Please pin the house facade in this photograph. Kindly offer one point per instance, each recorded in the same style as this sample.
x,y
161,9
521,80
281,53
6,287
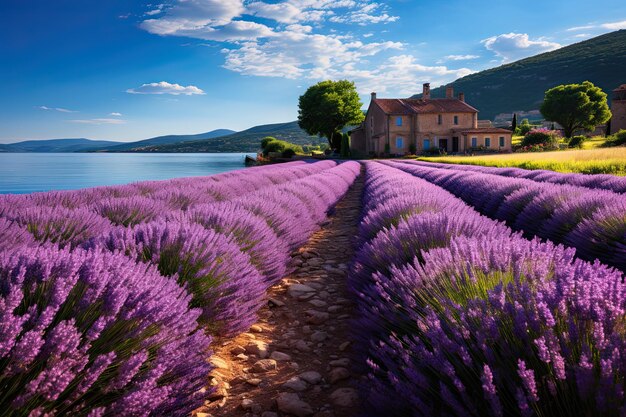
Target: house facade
x,y
399,126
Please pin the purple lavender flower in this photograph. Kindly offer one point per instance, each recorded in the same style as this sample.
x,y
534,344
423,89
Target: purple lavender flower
x,y
50,365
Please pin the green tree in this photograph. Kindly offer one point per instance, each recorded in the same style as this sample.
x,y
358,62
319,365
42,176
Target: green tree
x,y
514,123
327,107
576,106
525,127
345,145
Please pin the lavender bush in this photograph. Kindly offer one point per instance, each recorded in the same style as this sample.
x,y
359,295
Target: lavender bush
x,y
563,213
95,333
458,316
597,181
219,275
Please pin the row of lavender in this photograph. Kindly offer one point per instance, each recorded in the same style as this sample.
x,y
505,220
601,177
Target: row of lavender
x,y
598,181
593,221
461,316
109,297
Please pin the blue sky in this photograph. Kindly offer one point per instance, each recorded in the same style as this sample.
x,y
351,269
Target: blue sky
x,y
128,70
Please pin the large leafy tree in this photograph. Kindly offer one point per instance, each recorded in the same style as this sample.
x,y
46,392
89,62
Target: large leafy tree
x,y
327,107
576,106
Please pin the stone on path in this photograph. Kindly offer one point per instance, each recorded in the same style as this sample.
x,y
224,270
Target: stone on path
x,y
296,290
291,403
312,377
280,356
264,365
344,397
295,384
259,348
337,374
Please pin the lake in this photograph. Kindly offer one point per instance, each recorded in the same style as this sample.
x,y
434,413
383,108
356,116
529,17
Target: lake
x,y
30,172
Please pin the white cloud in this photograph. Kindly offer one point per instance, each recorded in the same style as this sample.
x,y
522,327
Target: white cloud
x,y
296,54
98,121
614,25
402,75
290,44
59,109
579,28
164,87
582,35
460,57
189,16
367,14
514,46
115,114
606,26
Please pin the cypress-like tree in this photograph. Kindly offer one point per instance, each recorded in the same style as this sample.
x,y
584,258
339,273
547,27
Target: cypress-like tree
x,y
514,122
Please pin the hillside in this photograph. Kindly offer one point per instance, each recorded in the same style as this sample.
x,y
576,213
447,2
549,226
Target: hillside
x,y
56,145
520,86
244,141
165,140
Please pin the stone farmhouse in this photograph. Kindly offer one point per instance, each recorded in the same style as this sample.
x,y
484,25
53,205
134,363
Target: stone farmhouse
x,y
394,126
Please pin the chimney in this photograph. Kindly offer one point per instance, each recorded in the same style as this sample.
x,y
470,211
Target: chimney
x,y
426,91
373,96
449,92
462,97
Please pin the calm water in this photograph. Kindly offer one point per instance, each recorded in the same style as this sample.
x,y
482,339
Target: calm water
x,y
30,172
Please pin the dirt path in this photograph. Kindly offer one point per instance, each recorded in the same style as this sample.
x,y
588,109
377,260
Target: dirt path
x,y
295,360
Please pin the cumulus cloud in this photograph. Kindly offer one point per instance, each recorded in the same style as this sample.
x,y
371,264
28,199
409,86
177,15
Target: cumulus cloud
x,y
59,109
402,75
514,46
164,87
115,114
98,121
296,54
289,42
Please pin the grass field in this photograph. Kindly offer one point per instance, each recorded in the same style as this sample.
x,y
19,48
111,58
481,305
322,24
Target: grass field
x,y
587,161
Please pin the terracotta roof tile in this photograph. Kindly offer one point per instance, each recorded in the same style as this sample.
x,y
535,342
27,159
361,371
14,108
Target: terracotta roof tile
x,y
412,106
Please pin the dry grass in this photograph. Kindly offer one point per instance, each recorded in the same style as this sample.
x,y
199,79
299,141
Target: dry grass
x,y
586,161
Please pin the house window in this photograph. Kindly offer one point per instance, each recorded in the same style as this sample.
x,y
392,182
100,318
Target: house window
x,y
426,144
474,142
487,142
399,121
502,141
439,119
456,120
399,142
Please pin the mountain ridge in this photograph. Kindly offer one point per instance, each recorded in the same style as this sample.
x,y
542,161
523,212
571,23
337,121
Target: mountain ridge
x,y
520,85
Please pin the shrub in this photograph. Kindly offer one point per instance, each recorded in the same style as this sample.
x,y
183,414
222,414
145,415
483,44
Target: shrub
x,y
617,139
268,253
548,139
524,128
412,149
129,211
95,333
280,146
500,333
219,276
288,153
13,236
62,226
266,140
577,141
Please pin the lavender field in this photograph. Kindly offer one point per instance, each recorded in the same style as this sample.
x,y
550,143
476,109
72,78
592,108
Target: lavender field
x,y
478,291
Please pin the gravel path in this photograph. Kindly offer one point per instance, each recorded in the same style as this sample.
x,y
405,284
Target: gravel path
x,y
296,360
